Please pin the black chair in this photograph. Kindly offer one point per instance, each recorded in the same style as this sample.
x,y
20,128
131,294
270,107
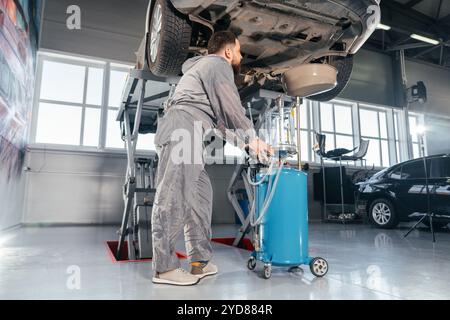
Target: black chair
x,y
360,154
332,154
335,155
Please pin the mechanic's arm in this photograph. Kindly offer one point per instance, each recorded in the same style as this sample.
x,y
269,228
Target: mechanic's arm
x,y
228,109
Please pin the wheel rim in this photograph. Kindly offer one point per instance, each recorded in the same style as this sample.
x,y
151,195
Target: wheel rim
x,y
381,213
320,267
155,32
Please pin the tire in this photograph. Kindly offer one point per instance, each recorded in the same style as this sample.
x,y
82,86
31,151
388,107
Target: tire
x,y
267,272
318,267
437,224
251,263
169,40
344,66
382,214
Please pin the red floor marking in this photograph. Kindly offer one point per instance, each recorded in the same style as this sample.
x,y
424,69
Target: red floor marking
x,y
112,249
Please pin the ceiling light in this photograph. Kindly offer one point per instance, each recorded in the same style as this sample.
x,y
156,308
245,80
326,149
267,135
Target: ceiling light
x,y
425,39
383,27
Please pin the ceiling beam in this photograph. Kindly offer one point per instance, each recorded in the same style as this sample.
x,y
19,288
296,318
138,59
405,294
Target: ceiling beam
x,y
412,3
406,11
415,21
445,19
441,56
423,52
409,46
405,20
438,13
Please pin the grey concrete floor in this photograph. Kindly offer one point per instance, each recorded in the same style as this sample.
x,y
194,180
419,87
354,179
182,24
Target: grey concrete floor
x,y
365,263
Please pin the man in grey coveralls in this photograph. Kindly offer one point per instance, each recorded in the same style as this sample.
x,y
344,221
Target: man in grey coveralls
x,y
206,98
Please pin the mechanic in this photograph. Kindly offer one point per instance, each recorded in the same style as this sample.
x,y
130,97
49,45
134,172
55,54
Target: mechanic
x,y
206,98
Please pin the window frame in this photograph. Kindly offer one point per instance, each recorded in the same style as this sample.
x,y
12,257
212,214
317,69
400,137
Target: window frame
x,y
108,107
339,103
86,62
420,121
380,139
308,130
70,60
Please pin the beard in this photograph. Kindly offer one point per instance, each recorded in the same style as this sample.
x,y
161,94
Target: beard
x,y
236,69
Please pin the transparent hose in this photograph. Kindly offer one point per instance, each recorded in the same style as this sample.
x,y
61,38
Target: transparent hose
x,y
269,196
269,172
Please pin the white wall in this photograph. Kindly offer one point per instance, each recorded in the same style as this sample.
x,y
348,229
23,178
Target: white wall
x,y
437,108
69,187
437,81
11,199
73,187
372,79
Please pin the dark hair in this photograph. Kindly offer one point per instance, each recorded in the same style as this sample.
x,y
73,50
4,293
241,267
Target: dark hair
x,y
219,40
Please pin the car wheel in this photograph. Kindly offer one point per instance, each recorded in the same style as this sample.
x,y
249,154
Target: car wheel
x,y
382,214
170,37
437,224
344,66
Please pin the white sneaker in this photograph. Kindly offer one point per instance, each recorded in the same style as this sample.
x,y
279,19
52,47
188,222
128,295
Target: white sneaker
x,y
200,270
177,277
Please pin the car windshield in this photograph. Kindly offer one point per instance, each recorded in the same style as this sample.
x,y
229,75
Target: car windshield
x,y
378,175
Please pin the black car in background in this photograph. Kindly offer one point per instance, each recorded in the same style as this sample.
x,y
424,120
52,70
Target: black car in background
x,y
399,193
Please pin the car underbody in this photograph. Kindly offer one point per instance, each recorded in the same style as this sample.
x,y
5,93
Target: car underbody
x,y
276,35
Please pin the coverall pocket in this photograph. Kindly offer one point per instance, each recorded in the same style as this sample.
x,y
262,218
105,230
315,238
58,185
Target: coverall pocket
x,y
163,133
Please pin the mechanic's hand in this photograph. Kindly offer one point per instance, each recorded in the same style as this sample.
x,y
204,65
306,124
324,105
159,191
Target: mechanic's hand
x,y
261,150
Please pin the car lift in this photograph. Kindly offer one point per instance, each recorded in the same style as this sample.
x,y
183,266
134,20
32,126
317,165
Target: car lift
x,y
139,114
143,102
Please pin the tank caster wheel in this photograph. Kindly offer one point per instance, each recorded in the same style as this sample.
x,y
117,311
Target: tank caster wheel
x,y
267,272
318,267
251,263
295,269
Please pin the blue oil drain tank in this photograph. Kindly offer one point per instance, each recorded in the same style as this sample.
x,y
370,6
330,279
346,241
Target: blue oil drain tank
x,y
283,233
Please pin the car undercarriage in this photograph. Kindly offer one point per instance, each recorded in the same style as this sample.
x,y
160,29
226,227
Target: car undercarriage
x,y
275,36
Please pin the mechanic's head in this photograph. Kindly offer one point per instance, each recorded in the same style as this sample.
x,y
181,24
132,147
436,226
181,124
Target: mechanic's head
x,y
226,44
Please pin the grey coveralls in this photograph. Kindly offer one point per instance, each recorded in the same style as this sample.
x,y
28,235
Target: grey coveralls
x,y
207,94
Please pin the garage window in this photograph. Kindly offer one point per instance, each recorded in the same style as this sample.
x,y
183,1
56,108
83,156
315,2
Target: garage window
x,y
118,77
336,122
397,126
414,124
373,127
59,124
77,102
305,131
70,100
